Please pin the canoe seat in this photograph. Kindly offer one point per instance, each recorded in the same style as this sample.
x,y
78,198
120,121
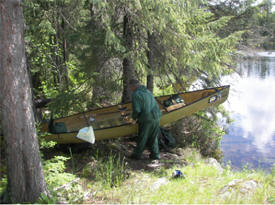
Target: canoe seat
x,y
174,107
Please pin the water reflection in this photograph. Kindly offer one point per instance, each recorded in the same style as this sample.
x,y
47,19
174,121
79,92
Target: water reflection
x,y
251,138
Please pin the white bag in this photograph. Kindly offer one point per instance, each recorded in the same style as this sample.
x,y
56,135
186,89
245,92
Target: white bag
x,y
87,134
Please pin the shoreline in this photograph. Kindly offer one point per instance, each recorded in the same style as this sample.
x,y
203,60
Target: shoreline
x,y
249,52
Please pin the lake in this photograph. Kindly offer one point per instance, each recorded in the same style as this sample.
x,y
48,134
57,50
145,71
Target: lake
x,y
250,140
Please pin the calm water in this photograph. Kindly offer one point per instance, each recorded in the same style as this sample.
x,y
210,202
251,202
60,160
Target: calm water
x,y
251,137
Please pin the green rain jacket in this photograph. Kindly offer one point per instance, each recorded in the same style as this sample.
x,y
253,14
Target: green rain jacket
x,y
145,107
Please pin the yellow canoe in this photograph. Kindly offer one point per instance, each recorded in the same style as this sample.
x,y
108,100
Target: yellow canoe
x,y
110,122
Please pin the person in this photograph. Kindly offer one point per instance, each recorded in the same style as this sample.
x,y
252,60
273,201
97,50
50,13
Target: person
x,y
147,114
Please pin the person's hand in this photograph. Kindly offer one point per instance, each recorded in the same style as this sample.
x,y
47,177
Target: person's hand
x,y
134,122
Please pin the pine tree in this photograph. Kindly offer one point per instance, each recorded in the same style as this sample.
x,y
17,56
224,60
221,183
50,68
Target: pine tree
x,y
25,174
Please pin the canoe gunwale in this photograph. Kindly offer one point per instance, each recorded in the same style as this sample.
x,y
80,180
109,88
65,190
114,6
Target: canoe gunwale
x,y
86,112
200,99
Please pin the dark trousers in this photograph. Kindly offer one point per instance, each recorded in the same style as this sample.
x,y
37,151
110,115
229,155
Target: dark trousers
x,y
148,136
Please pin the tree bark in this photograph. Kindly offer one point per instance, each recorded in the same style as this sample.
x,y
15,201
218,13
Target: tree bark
x,y
98,57
65,56
150,76
128,67
25,175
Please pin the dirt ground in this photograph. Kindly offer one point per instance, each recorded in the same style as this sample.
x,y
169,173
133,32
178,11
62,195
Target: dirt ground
x,y
83,152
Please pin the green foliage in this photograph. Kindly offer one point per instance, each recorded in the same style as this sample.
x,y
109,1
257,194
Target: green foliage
x,y
202,184
56,178
45,199
111,172
164,91
255,20
3,172
271,200
43,144
185,39
72,158
88,170
54,171
201,131
53,66
70,195
75,48
3,183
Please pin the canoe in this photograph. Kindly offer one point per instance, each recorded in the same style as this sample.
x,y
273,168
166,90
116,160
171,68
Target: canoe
x,y
113,122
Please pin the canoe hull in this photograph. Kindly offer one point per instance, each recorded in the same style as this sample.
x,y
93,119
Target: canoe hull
x,y
196,101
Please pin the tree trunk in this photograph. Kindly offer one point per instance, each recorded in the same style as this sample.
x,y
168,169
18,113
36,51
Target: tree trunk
x,y
98,57
97,88
128,68
65,56
150,76
25,175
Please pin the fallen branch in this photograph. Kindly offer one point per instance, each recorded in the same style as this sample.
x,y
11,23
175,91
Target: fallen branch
x,y
65,186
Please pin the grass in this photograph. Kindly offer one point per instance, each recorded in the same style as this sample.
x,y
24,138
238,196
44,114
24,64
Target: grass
x,y
108,178
202,184
111,171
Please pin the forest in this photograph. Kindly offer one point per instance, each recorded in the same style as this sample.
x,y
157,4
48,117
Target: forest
x,y
61,57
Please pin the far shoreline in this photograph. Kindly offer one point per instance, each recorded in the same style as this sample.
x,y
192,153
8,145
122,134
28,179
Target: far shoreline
x,y
250,52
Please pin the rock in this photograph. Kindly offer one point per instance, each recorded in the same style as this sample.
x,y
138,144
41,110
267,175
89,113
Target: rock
x,y
226,190
234,182
159,183
180,151
213,162
155,164
239,187
170,156
87,195
248,186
